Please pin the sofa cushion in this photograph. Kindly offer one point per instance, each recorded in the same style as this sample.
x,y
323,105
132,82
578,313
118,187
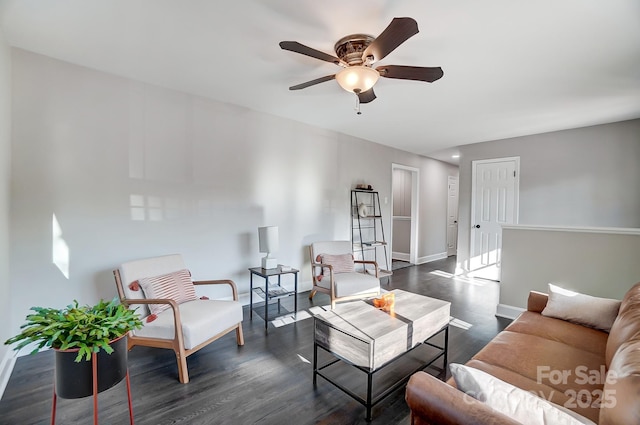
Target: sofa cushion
x,y
627,324
532,356
548,367
512,401
598,313
176,286
583,338
197,324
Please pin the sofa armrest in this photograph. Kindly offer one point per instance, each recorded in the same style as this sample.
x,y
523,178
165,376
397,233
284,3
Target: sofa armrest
x,y
537,301
435,402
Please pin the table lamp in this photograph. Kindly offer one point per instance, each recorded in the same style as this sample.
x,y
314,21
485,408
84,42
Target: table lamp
x,y
268,241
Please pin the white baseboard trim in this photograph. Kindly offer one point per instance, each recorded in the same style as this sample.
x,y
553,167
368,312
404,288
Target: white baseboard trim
x,y
402,256
6,367
433,257
508,311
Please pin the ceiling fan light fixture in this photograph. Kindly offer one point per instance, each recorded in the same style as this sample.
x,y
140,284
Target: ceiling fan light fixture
x,y
357,79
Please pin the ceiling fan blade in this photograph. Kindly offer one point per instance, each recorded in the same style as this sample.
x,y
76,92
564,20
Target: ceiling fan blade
x,y
367,96
417,73
294,46
398,31
313,82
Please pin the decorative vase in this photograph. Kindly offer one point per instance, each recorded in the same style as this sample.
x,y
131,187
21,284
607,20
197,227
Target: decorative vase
x,y
75,379
363,210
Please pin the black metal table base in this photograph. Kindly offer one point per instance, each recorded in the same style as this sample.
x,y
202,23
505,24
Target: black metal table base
x,y
369,402
266,274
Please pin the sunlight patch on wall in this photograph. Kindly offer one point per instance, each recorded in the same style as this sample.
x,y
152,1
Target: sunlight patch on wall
x,y
147,208
136,203
59,248
156,208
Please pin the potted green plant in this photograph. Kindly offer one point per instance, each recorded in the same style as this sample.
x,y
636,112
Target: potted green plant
x,y
75,333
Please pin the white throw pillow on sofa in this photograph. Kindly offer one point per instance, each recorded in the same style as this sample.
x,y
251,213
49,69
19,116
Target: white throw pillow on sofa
x,y
514,402
594,312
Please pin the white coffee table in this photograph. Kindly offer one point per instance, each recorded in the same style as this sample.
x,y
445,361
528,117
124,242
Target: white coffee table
x,y
368,338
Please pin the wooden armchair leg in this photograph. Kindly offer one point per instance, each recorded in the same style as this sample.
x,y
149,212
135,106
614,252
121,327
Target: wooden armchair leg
x,y
311,294
183,372
239,335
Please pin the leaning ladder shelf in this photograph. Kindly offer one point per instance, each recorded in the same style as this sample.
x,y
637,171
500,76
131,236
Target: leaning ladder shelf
x,y
367,229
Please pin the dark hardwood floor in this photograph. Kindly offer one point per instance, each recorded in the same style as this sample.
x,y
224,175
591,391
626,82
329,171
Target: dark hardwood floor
x,y
268,380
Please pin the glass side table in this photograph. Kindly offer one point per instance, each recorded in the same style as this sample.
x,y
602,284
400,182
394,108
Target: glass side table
x,y
272,292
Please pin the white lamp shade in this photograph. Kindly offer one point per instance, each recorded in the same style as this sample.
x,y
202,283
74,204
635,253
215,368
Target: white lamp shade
x,y
357,79
268,239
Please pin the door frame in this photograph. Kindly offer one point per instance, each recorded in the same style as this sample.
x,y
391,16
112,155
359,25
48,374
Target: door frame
x,y
415,178
457,179
516,200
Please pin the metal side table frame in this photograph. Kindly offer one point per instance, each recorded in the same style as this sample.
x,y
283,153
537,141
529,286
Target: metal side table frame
x,y
266,274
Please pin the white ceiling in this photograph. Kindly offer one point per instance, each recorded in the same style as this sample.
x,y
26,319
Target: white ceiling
x,y
511,67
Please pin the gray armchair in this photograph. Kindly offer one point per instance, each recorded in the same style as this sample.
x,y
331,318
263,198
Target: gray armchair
x,y
184,327
333,270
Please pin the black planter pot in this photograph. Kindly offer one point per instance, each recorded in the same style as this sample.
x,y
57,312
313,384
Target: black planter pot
x,y
75,380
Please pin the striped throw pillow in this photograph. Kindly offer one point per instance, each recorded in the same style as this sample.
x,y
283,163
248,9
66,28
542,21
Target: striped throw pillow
x,y
176,286
342,263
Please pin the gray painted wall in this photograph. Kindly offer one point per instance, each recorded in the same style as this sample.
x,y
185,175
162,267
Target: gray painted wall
x,y
597,262
582,177
431,229
132,170
5,177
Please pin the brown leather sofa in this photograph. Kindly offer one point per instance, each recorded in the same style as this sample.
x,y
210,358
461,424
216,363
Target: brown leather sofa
x,y
527,351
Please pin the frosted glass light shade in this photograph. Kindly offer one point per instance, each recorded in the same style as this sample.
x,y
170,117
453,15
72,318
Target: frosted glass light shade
x,y
357,79
268,243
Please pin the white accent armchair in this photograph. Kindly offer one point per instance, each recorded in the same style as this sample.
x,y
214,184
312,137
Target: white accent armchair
x,y
341,281
184,327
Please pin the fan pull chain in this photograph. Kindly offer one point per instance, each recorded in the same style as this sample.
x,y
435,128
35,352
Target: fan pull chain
x,y
357,108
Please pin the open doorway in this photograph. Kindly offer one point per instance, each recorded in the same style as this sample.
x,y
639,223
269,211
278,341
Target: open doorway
x,y
404,221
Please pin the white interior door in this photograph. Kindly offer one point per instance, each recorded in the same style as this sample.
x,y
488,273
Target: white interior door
x,y
494,202
452,216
